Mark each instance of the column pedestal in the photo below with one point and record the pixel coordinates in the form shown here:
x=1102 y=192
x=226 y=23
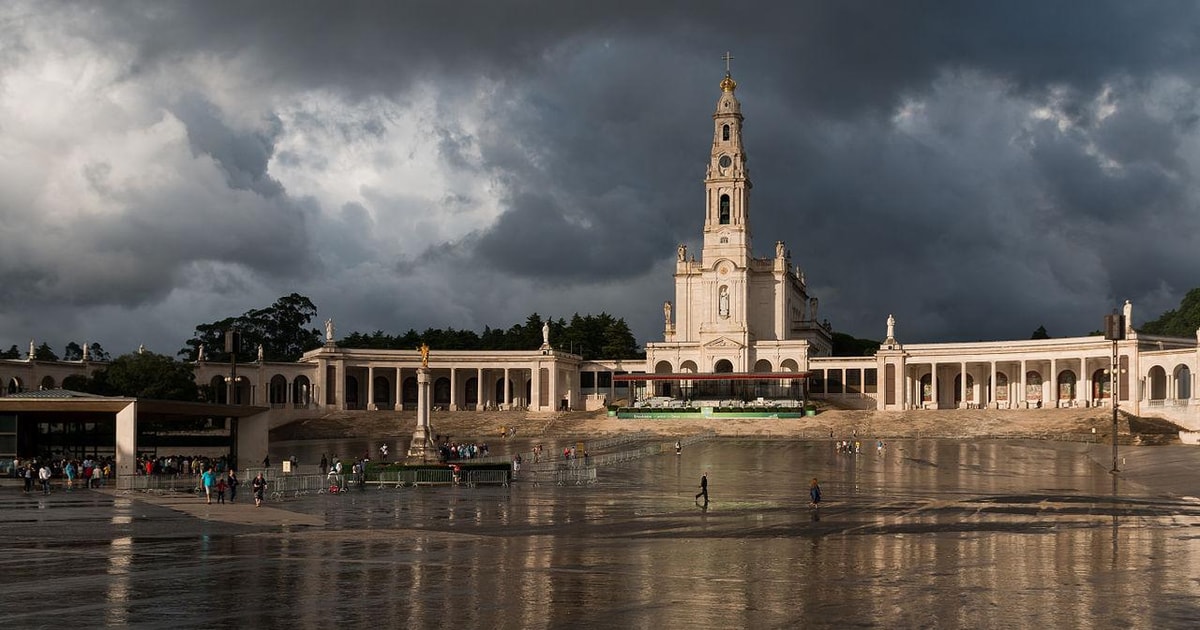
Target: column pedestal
x=422 y=448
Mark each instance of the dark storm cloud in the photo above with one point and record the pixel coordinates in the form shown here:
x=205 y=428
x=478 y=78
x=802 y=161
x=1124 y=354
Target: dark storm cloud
x=892 y=145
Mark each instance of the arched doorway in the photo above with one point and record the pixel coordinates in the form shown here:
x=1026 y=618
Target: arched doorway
x=15 y=386
x=441 y=392
x=277 y=391
x=47 y=382
x=471 y=392
x=1101 y=388
x=301 y=391
x=1066 y=385
x=408 y=392
x=663 y=388
x=351 y=392
x=1183 y=382
x=724 y=366
x=1158 y=383
x=1033 y=387
x=383 y=393
x=220 y=393
x=498 y=397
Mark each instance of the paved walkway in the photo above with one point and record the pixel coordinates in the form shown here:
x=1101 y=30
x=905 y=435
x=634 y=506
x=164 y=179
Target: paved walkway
x=241 y=513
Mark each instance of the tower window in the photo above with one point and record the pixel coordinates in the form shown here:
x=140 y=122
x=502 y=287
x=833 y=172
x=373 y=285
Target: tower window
x=724 y=210
x=725 y=133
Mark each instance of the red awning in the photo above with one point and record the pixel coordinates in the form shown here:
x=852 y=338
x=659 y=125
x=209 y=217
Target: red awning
x=724 y=376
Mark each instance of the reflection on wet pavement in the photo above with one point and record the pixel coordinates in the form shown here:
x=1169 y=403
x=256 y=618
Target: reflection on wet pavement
x=923 y=534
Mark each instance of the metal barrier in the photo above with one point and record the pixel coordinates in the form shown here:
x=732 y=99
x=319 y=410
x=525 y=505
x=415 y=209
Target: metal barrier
x=298 y=485
x=475 y=477
x=414 y=477
x=575 y=475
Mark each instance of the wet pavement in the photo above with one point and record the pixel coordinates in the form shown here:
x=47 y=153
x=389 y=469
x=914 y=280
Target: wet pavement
x=925 y=534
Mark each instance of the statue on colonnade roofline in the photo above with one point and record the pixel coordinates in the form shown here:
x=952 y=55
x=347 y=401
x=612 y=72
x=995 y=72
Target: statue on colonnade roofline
x=141 y=348
x=546 y=332
x=260 y=353
x=31 y=350
x=329 y=330
x=1127 y=311
x=200 y=354
x=86 y=356
x=891 y=327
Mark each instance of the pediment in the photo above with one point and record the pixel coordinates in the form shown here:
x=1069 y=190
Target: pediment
x=723 y=342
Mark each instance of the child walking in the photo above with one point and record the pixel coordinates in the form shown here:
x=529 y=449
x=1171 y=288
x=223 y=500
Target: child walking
x=221 y=488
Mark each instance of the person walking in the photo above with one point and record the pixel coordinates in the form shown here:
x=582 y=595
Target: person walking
x=207 y=479
x=44 y=477
x=221 y=488
x=28 y=475
x=324 y=464
x=233 y=483
x=703 y=488
x=259 y=486
x=814 y=493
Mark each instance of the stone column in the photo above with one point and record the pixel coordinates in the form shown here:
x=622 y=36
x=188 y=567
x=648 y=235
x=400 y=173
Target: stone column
x=535 y=387
x=127 y=440
x=992 y=383
x=1023 y=395
x=453 y=389
x=1054 y=383
x=422 y=448
x=554 y=397
x=479 y=389
x=370 y=389
x=962 y=385
x=1083 y=385
x=400 y=389
x=933 y=385
x=339 y=384
x=507 y=390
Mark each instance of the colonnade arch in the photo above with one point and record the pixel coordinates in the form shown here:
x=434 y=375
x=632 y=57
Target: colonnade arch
x=1156 y=380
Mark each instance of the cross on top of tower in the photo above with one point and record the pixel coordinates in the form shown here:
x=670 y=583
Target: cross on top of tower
x=727 y=57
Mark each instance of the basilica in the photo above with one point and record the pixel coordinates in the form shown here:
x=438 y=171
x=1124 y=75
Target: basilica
x=739 y=328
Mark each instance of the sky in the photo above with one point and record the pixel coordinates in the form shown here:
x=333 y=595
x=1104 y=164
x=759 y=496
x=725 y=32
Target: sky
x=976 y=168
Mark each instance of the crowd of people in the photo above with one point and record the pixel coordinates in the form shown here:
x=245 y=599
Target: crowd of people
x=448 y=450
x=180 y=465
x=87 y=472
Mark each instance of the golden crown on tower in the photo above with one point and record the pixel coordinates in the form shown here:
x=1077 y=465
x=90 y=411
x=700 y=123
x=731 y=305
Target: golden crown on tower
x=728 y=84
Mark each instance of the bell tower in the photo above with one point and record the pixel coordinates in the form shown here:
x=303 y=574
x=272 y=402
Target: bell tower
x=727 y=183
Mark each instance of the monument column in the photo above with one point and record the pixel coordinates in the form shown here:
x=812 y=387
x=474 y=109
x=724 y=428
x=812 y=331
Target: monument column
x=422 y=448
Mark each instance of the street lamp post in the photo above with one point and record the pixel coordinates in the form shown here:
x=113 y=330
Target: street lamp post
x=1114 y=331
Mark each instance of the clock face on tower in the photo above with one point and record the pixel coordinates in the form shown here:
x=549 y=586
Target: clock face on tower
x=725 y=161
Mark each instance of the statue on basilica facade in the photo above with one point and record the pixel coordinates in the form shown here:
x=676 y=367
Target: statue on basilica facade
x=780 y=252
x=723 y=302
x=682 y=252
x=667 y=313
x=812 y=307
